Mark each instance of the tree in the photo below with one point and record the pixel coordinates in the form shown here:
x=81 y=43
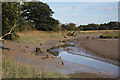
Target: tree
x=63 y=27
x=40 y=15
x=112 y=25
x=105 y=26
x=0 y=18
x=71 y=26
x=11 y=19
x=81 y=27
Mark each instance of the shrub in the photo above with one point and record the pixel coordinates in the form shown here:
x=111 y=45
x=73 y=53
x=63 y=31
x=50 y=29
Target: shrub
x=12 y=36
x=113 y=34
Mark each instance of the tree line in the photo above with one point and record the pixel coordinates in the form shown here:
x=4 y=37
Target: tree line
x=38 y=16
x=106 y=26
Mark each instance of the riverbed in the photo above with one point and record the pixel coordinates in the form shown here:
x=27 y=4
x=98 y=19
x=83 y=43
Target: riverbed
x=85 y=62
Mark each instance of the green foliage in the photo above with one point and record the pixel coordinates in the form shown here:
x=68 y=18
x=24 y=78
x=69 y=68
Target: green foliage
x=39 y=14
x=27 y=27
x=113 y=34
x=11 y=15
x=12 y=36
x=0 y=18
x=40 y=37
x=69 y=27
x=106 y=26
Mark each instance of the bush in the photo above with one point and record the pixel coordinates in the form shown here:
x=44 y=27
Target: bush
x=113 y=34
x=12 y=36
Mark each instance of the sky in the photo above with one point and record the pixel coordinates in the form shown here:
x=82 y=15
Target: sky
x=82 y=13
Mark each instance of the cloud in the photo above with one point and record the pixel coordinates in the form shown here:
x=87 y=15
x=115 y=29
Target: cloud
x=61 y=8
x=108 y=8
x=73 y=7
x=91 y=8
x=56 y=7
x=74 y=15
x=65 y=15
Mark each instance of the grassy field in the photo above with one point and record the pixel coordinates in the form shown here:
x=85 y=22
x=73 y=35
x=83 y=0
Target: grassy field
x=39 y=36
x=105 y=33
x=12 y=69
x=43 y=36
x=112 y=34
x=95 y=31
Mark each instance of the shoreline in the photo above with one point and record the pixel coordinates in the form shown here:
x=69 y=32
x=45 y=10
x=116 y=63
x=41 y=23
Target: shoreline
x=105 y=50
x=44 y=47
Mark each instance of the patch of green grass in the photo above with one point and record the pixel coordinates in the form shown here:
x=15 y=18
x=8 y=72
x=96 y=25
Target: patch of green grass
x=113 y=34
x=39 y=38
x=89 y=32
x=57 y=36
x=30 y=39
x=12 y=69
x=95 y=31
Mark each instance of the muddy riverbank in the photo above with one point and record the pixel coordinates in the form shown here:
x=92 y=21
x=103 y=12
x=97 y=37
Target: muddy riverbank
x=22 y=52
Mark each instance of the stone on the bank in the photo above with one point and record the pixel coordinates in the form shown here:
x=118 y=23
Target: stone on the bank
x=102 y=72
x=38 y=50
x=40 y=43
x=65 y=37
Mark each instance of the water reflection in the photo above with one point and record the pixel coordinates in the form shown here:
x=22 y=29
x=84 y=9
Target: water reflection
x=66 y=54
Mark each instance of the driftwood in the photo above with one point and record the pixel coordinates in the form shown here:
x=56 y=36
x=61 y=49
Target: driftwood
x=1 y=38
x=38 y=50
x=72 y=34
x=46 y=57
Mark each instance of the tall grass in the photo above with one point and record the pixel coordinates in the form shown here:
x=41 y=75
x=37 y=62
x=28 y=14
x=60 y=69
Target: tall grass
x=0 y=64
x=13 y=69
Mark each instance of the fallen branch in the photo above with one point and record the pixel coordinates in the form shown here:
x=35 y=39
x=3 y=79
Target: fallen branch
x=8 y=32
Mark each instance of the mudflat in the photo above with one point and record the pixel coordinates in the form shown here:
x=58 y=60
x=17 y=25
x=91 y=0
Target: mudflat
x=103 y=47
x=107 y=48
